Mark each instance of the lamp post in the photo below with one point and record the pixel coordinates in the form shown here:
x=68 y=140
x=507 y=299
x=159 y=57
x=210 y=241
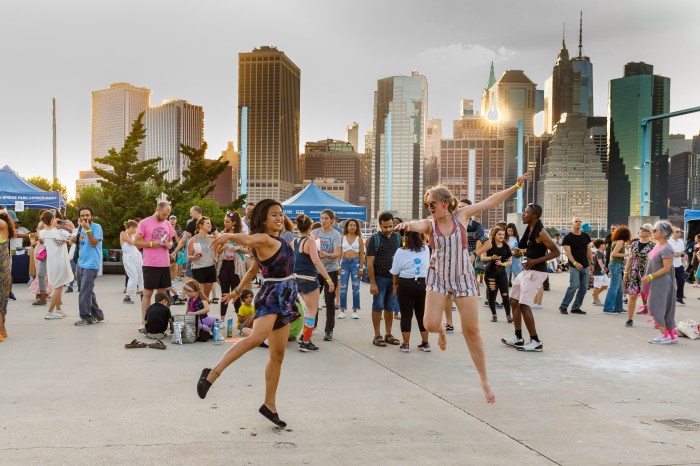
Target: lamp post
x=244 y=149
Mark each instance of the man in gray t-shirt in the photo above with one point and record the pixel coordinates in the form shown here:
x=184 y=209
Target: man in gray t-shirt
x=329 y=252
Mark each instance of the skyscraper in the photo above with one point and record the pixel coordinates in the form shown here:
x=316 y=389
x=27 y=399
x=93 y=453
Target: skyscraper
x=268 y=94
x=561 y=90
x=400 y=118
x=583 y=65
x=572 y=182
x=598 y=127
x=169 y=125
x=639 y=94
x=366 y=169
x=113 y=112
x=329 y=158
x=231 y=156
x=352 y=135
x=431 y=169
x=694 y=174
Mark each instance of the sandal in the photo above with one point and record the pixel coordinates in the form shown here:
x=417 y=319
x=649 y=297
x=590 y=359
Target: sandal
x=391 y=340
x=135 y=344
x=378 y=341
x=158 y=345
x=215 y=301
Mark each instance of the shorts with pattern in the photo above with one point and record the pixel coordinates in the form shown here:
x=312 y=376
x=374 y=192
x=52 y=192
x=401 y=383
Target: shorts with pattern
x=526 y=285
x=459 y=286
x=278 y=298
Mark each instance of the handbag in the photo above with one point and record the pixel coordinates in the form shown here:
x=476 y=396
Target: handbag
x=40 y=254
x=189 y=326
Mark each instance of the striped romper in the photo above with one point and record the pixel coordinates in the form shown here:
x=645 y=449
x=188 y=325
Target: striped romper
x=450 y=271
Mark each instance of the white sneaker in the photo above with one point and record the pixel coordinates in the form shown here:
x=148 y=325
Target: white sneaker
x=354 y=315
x=52 y=316
x=661 y=340
x=512 y=341
x=597 y=303
x=341 y=315
x=531 y=345
x=536 y=306
x=61 y=313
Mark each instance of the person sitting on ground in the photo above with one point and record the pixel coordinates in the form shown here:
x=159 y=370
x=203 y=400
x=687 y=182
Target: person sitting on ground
x=158 y=317
x=198 y=304
x=246 y=312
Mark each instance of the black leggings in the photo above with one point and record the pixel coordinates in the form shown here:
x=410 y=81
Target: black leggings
x=411 y=297
x=497 y=280
x=228 y=280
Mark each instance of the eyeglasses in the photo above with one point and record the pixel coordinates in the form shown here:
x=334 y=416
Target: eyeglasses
x=430 y=205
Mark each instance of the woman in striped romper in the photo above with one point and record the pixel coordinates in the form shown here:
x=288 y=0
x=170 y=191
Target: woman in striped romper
x=451 y=273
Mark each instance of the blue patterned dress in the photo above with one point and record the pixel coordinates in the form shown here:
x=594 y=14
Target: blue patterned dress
x=278 y=297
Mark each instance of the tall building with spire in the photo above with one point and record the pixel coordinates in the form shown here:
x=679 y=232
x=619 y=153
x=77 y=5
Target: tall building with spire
x=400 y=120
x=583 y=65
x=562 y=90
x=269 y=90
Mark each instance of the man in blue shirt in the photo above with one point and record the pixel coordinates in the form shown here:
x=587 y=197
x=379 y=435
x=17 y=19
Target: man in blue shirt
x=89 y=239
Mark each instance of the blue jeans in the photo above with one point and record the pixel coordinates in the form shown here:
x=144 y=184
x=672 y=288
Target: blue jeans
x=385 y=300
x=578 y=285
x=613 y=300
x=349 y=269
x=515 y=267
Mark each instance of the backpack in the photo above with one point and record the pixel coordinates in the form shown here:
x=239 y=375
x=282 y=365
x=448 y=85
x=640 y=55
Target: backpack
x=377 y=241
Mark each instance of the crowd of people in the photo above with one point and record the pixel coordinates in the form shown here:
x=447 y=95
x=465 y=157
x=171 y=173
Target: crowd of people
x=420 y=270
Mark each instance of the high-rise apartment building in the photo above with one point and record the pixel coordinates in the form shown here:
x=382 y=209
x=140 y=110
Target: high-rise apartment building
x=598 y=127
x=269 y=102
x=694 y=174
x=400 y=120
x=534 y=153
x=583 y=65
x=352 y=135
x=680 y=151
x=231 y=156
x=329 y=158
x=366 y=168
x=637 y=95
x=169 y=125
x=472 y=165
x=431 y=169
x=113 y=112
x=572 y=182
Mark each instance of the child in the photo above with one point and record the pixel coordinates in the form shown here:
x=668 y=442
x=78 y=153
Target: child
x=246 y=313
x=158 y=316
x=198 y=304
x=600 y=278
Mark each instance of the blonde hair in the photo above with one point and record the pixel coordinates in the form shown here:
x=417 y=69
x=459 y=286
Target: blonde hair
x=443 y=194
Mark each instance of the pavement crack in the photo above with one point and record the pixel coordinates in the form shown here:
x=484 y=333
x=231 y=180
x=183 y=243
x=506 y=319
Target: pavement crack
x=472 y=415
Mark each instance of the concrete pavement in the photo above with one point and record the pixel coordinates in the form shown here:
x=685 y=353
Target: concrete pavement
x=74 y=395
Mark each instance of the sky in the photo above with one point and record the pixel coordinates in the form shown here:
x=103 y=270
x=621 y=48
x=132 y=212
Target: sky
x=190 y=51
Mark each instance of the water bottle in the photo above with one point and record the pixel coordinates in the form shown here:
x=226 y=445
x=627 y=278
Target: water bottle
x=197 y=249
x=215 y=331
x=229 y=328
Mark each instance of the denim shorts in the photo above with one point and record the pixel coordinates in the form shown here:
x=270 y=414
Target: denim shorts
x=385 y=299
x=307 y=286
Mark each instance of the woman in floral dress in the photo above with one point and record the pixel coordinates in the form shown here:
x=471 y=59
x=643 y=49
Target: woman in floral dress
x=636 y=267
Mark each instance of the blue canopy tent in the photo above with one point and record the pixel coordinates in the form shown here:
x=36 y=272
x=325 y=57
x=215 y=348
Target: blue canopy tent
x=692 y=223
x=14 y=188
x=312 y=200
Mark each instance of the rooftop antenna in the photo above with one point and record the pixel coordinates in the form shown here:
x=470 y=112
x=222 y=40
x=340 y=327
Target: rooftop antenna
x=55 y=160
x=563 y=36
x=580 y=35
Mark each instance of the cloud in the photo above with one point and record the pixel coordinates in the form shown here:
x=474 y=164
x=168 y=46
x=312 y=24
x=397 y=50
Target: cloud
x=460 y=59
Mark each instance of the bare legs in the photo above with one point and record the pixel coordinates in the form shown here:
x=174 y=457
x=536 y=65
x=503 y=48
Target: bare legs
x=388 y=321
x=435 y=304
x=3 y=330
x=469 y=316
x=56 y=299
x=522 y=312
x=448 y=312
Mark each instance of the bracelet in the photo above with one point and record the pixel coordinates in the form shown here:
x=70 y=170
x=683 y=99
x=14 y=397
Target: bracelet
x=235 y=291
x=518 y=186
x=651 y=276
x=625 y=273
x=575 y=263
x=328 y=280
x=150 y=245
x=88 y=231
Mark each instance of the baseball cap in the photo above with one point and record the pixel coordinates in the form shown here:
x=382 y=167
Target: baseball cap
x=13 y=216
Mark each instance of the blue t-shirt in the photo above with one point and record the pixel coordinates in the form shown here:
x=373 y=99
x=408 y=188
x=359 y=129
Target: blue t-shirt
x=90 y=257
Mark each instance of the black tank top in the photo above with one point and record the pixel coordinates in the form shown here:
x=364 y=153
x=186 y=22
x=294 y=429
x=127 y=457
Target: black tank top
x=533 y=249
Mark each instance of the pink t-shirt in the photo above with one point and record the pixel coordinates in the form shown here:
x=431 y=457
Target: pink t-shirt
x=151 y=229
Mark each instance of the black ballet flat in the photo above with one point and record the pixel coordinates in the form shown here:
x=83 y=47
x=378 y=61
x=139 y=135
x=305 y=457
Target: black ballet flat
x=203 y=385
x=273 y=417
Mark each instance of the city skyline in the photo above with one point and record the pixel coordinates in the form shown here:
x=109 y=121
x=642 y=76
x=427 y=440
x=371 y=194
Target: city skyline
x=453 y=51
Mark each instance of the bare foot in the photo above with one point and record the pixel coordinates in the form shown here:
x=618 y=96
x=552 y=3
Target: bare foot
x=488 y=393
x=442 y=337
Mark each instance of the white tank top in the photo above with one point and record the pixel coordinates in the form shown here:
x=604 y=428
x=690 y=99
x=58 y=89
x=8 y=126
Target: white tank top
x=355 y=246
x=129 y=248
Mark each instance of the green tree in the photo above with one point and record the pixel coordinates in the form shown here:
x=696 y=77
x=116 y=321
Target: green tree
x=210 y=208
x=48 y=185
x=131 y=187
x=197 y=179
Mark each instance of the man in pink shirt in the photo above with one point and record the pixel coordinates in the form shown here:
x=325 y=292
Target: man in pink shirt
x=155 y=235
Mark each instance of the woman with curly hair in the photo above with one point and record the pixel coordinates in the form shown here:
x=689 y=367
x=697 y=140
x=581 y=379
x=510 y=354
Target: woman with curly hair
x=634 y=270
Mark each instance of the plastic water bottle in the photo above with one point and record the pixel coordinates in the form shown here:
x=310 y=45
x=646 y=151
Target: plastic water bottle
x=215 y=331
x=229 y=328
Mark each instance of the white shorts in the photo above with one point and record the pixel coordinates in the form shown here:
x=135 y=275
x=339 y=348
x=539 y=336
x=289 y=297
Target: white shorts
x=600 y=281
x=526 y=285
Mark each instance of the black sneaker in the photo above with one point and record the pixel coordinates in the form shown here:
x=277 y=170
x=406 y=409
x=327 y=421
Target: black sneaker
x=681 y=302
x=563 y=310
x=307 y=347
x=69 y=289
x=577 y=311
x=99 y=319
x=449 y=328
x=328 y=337
x=88 y=321
x=629 y=324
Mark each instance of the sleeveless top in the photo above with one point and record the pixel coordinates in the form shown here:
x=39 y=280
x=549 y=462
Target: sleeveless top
x=355 y=246
x=533 y=249
x=281 y=264
x=304 y=265
x=129 y=249
x=207 y=259
x=450 y=255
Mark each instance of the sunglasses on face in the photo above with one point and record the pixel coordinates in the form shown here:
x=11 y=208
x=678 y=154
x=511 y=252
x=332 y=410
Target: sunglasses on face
x=430 y=205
